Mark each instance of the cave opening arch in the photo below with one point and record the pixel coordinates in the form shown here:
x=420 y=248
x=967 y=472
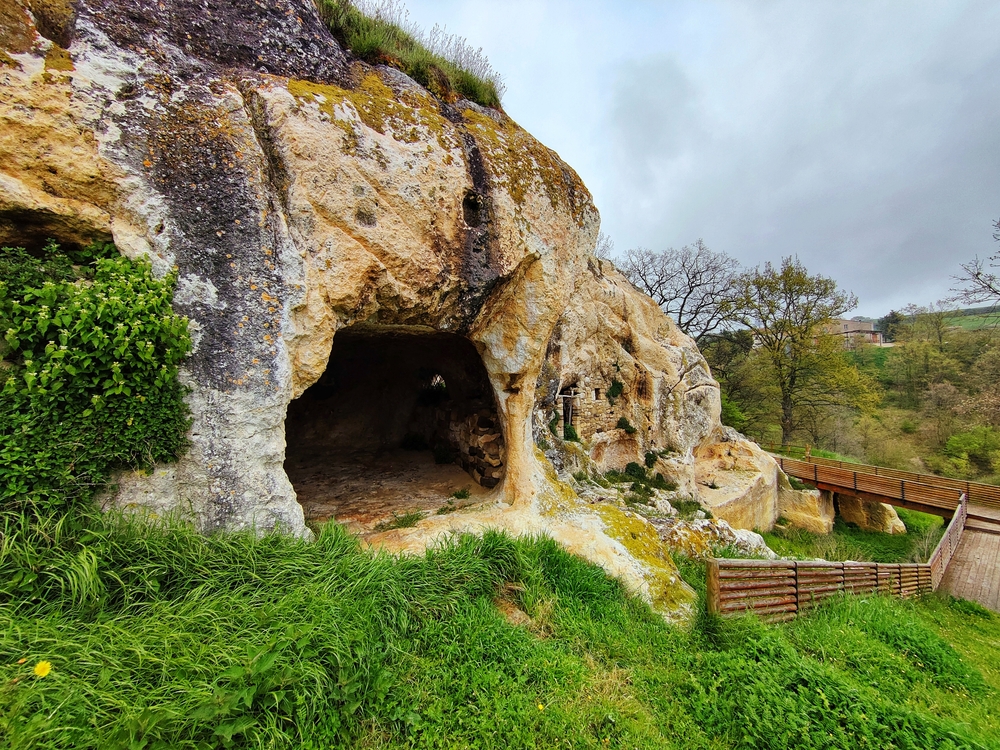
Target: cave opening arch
x=402 y=421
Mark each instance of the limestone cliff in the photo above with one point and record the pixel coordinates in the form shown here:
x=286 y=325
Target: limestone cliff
x=307 y=199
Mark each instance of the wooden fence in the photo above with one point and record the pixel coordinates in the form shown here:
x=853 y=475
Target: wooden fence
x=778 y=590
x=976 y=492
x=945 y=549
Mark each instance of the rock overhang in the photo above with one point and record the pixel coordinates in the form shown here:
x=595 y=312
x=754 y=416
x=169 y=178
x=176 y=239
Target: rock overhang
x=299 y=193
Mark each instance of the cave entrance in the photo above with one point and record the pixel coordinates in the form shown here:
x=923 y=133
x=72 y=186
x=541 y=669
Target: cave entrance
x=401 y=421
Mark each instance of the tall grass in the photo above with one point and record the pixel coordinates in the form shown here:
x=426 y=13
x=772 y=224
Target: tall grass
x=847 y=542
x=160 y=637
x=380 y=32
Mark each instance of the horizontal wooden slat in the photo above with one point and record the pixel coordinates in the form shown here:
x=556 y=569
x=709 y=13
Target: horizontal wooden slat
x=726 y=596
x=735 y=606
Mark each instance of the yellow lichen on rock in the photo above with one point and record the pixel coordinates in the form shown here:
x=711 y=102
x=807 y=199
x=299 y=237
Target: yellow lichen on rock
x=516 y=161
x=377 y=106
x=667 y=590
x=52 y=178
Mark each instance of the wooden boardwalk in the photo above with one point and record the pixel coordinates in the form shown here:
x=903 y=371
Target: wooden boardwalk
x=974 y=572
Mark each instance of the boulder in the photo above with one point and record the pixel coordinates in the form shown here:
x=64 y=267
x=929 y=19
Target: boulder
x=869 y=515
x=811 y=510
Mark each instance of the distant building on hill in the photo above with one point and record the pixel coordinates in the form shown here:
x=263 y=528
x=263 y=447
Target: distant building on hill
x=855 y=331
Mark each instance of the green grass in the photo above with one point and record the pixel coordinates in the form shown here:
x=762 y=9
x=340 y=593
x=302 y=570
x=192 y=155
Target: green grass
x=162 y=638
x=975 y=322
x=444 y=64
x=405 y=521
x=847 y=542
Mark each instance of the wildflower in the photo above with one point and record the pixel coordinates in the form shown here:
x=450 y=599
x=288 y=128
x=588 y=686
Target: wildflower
x=42 y=668
x=541 y=707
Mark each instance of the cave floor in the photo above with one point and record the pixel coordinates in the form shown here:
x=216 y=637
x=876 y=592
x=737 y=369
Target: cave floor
x=363 y=490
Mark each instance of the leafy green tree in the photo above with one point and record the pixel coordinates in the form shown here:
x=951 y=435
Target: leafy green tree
x=889 y=324
x=787 y=310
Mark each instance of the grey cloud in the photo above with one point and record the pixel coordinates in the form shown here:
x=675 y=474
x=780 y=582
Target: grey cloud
x=868 y=148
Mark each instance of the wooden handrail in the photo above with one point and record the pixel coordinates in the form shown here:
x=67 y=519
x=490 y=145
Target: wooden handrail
x=933 y=499
x=976 y=492
x=946 y=547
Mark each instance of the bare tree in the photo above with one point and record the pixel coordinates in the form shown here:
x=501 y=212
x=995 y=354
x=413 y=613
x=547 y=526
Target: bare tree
x=978 y=282
x=692 y=284
x=605 y=247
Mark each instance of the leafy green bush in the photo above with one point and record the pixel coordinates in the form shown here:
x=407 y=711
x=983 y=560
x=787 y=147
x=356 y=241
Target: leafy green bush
x=617 y=389
x=444 y=64
x=981 y=445
x=91 y=356
x=570 y=433
x=624 y=424
x=634 y=471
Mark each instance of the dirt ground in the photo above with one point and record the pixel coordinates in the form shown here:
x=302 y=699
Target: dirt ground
x=362 y=490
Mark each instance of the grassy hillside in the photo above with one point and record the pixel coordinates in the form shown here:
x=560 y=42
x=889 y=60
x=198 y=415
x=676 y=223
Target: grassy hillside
x=975 y=319
x=160 y=638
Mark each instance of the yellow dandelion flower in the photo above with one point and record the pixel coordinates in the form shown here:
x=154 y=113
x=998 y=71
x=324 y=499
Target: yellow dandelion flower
x=541 y=707
x=42 y=668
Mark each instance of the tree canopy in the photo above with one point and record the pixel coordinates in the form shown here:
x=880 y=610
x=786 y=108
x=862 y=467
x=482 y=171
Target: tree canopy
x=787 y=310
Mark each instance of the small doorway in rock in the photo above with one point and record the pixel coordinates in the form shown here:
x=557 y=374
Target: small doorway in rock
x=568 y=398
x=402 y=422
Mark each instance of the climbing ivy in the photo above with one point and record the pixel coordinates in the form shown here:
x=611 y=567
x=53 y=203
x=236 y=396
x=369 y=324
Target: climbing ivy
x=88 y=369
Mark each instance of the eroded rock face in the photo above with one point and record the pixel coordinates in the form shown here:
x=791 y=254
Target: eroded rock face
x=811 y=510
x=298 y=193
x=869 y=515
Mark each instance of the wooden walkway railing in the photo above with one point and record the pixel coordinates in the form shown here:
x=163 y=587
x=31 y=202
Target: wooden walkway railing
x=778 y=590
x=856 y=481
x=946 y=548
x=977 y=493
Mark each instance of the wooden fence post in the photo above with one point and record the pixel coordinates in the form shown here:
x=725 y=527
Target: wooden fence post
x=713 y=602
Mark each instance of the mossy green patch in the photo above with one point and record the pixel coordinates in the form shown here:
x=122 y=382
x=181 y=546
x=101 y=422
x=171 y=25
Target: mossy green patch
x=408 y=118
x=667 y=591
x=517 y=161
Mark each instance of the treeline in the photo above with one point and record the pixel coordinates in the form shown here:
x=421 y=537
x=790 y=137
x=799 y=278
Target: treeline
x=930 y=402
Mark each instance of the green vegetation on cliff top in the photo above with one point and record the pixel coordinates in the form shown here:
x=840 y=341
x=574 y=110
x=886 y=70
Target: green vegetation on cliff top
x=159 y=637
x=444 y=64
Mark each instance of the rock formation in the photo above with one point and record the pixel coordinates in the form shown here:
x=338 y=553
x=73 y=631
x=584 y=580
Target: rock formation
x=869 y=515
x=308 y=199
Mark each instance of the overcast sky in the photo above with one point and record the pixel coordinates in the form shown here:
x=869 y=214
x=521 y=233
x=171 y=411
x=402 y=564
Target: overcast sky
x=862 y=136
